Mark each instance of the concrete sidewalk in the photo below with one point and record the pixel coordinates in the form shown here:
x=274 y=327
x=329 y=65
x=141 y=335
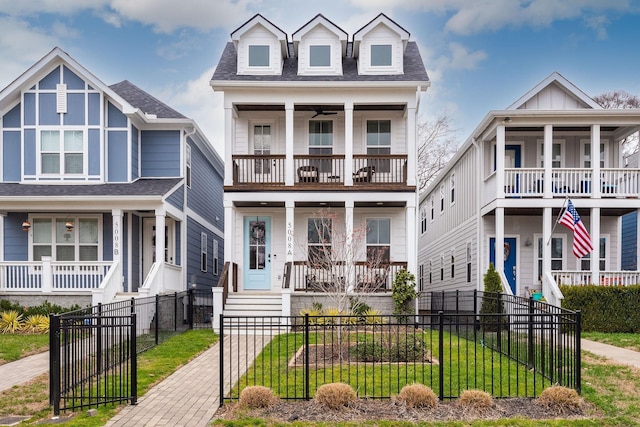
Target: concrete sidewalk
x=615 y=354
x=23 y=370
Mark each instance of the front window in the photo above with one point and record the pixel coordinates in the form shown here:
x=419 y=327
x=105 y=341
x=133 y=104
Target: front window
x=378 y=241
x=321 y=143
x=262 y=147
x=557 y=245
x=319 y=241
x=379 y=143
x=259 y=56
x=556 y=155
x=586 y=155
x=66 y=238
x=320 y=56
x=585 y=261
x=62 y=152
x=381 y=55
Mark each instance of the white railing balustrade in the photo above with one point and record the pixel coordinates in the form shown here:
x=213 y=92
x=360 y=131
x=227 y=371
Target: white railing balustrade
x=606 y=278
x=51 y=276
x=523 y=182
x=620 y=182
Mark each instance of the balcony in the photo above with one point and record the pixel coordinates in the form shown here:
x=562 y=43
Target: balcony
x=313 y=172
x=606 y=278
x=366 y=278
x=573 y=182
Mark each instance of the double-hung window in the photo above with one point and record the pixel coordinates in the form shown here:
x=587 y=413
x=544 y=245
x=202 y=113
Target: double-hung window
x=379 y=143
x=378 y=241
x=262 y=147
x=62 y=152
x=321 y=143
x=203 y=251
x=66 y=238
x=319 y=241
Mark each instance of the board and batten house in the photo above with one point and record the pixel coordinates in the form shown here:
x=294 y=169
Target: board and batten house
x=499 y=197
x=318 y=120
x=103 y=190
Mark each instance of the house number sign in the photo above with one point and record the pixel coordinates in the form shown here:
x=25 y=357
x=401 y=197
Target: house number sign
x=116 y=238
x=289 y=238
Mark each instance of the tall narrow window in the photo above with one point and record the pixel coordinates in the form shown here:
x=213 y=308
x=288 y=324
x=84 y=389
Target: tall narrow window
x=321 y=144
x=442 y=198
x=216 y=261
x=421 y=277
x=430 y=272
x=378 y=241
x=441 y=268
x=261 y=148
x=453 y=265
x=556 y=254
x=379 y=144
x=452 y=186
x=585 y=261
x=203 y=252
x=468 y=262
x=187 y=157
x=433 y=202
x=319 y=242
x=556 y=154
x=258 y=56
x=586 y=155
x=423 y=220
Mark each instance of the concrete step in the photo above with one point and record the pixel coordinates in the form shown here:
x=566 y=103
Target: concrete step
x=253 y=304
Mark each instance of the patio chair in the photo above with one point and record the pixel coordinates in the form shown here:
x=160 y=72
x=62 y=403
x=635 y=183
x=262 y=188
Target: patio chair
x=364 y=174
x=308 y=173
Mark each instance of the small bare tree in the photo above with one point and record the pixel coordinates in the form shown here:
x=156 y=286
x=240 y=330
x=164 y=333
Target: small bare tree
x=621 y=99
x=437 y=142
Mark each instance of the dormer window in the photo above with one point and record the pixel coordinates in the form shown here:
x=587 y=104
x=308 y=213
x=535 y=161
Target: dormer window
x=381 y=55
x=258 y=56
x=320 y=56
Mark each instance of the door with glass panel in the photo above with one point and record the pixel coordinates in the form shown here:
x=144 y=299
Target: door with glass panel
x=262 y=149
x=257 y=253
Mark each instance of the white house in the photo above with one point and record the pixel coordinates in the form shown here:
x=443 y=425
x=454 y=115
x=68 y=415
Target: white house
x=317 y=121
x=505 y=188
x=103 y=189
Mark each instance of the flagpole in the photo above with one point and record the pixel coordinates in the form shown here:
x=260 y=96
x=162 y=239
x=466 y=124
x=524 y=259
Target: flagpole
x=566 y=198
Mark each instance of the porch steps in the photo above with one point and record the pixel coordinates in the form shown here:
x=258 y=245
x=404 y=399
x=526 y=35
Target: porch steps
x=253 y=304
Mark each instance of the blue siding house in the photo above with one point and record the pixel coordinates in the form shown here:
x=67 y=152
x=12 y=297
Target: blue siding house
x=103 y=190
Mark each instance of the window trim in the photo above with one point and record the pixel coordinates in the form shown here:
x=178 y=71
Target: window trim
x=76 y=221
x=216 y=258
x=204 y=251
x=311 y=47
x=249 y=56
x=61 y=130
x=378 y=244
x=187 y=157
x=604 y=143
x=540 y=153
x=381 y=66
x=320 y=244
x=452 y=188
x=442 y=198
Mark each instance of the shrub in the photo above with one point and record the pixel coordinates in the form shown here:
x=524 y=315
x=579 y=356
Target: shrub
x=36 y=324
x=403 y=292
x=418 y=396
x=373 y=317
x=605 y=308
x=476 y=400
x=560 y=400
x=10 y=322
x=407 y=348
x=257 y=396
x=335 y=395
x=367 y=351
x=491 y=301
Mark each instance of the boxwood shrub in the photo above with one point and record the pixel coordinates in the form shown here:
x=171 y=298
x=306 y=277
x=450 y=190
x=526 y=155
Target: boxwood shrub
x=605 y=308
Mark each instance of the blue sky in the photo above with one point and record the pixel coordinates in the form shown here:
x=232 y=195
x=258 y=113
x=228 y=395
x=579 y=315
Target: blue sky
x=480 y=54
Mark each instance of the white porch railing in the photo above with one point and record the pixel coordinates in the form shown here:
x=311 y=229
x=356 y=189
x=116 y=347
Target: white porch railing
x=172 y=278
x=506 y=288
x=51 y=276
x=152 y=283
x=529 y=182
x=550 y=290
x=110 y=286
x=605 y=278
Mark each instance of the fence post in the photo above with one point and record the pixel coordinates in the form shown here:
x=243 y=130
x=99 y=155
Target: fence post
x=476 y=318
x=175 y=311
x=441 y=353
x=134 y=360
x=578 y=350
x=54 y=362
x=190 y=308
x=531 y=362
x=99 y=338
x=221 y=361
x=306 y=356
x=157 y=322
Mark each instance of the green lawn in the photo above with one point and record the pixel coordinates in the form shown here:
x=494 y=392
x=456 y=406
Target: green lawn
x=17 y=346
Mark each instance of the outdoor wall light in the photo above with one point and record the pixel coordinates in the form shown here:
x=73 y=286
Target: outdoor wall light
x=506 y=120
x=528 y=242
x=69 y=226
x=26 y=225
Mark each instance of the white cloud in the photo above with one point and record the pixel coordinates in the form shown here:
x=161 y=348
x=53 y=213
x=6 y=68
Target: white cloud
x=33 y=7
x=598 y=24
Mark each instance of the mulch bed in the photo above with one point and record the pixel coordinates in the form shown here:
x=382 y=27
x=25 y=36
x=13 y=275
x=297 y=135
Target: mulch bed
x=392 y=410
x=327 y=355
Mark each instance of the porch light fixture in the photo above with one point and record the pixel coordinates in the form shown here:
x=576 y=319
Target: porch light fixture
x=26 y=225
x=506 y=120
x=528 y=242
x=69 y=226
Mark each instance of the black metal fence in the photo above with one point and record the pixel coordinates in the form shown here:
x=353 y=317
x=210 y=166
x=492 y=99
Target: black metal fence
x=93 y=351
x=506 y=346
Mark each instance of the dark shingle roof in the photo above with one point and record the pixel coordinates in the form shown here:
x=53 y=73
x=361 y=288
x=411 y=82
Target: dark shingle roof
x=145 y=102
x=414 y=70
x=141 y=187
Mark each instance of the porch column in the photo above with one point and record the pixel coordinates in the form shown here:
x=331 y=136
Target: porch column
x=499 y=246
x=288 y=141
x=160 y=235
x=412 y=248
x=500 y=142
x=412 y=149
x=229 y=239
x=595 y=241
x=546 y=235
x=116 y=218
x=350 y=252
x=547 y=149
x=348 y=143
x=596 y=188
x=228 y=138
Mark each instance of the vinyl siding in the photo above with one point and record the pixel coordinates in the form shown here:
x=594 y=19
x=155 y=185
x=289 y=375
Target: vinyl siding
x=205 y=195
x=117 y=155
x=16 y=241
x=630 y=241
x=160 y=152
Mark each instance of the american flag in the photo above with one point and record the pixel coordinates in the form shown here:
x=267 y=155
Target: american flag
x=581 y=240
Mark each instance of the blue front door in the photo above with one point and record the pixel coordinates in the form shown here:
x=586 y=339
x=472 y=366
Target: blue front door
x=510 y=268
x=257 y=253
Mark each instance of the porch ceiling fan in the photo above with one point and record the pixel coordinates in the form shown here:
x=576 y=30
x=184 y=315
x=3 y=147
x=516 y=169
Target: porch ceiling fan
x=320 y=112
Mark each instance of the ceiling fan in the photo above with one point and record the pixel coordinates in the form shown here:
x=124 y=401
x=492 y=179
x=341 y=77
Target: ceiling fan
x=320 y=112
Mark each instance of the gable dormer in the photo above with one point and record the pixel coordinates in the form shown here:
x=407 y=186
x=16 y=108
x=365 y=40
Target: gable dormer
x=320 y=46
x=554 y=93
x=261 y=47
x=379 y=47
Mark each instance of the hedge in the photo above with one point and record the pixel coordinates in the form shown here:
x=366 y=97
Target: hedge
x=605 y=308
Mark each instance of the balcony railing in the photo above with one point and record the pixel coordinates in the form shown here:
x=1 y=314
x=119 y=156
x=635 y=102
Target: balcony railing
x=48 y=276
x=311 y=170
x=366 y=278
x=606 y=278
x=577 y=182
